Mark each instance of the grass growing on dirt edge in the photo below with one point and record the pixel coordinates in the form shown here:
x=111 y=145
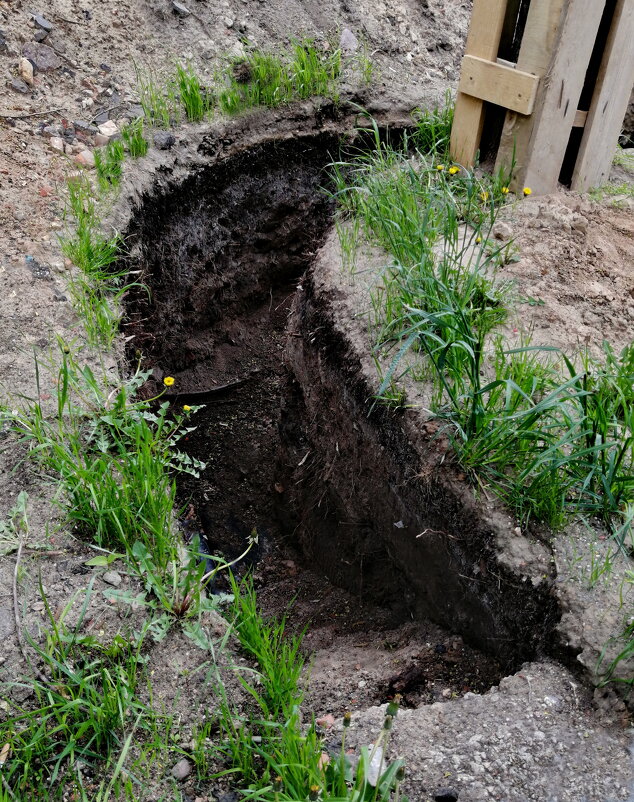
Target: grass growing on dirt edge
x=552 y=435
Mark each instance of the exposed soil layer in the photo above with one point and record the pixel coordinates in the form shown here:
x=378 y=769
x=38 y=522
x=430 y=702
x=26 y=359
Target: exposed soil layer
x=293 y=455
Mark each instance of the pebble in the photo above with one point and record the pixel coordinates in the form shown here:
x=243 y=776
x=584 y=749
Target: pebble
x=85 y=158
x=228 y=22
x=43 y=57
x=108 y=129
x=163 y=140
x=42 y=23
x=502 y=231
x=180 y=9
x=84 y=126
x=348 y=42
x=53 y=130
x=18 y=85
x=182 y=769
x=112 y=578
x=25 y=69
x=39 y=606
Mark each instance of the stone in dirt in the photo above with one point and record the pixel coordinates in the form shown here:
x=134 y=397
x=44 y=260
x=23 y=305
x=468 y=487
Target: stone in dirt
x=502 y=230
x=18 y=85
x=348 y=41
x=25 y=69
x=163 y=140
x=42 y=23
x=112 y=578
x=42 y=56
x=108 y=129
x=85 y=159
x=180 y=9
x=57 y=143
x=40 y=35
x=3 y=42
x=182 y=769
x=85 y=127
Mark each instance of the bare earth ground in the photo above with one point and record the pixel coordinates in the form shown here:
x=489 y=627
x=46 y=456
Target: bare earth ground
x=540 y=735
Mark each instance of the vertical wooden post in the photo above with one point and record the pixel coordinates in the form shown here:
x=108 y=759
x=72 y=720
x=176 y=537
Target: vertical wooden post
x=483 y=41
x=536 y=53
x=539 y=161
x=609 y=101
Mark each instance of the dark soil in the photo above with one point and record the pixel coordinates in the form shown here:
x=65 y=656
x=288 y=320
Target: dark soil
x=223 y=272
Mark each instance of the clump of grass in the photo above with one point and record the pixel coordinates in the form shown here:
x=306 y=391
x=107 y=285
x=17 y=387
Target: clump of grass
x=196 y=98
x=112 y=455
x=109 y=164
x=133 y=137
x=267 y=79
x=269 y=750
x=78 y=707
x=159 y=100
x=550 y=438
x=97 y=288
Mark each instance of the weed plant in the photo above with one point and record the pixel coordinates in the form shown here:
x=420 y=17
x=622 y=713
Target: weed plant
x=97 y=287
x=549 y=437
x=112 y=455
x=109 y=164
x=196 y=98
x=78 y=707
x=268 y=750
x=133 y=137
x=267 y=79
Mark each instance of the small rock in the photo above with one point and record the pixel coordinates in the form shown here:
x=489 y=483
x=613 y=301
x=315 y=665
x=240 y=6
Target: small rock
x=57 y=143
x=3 y=42
x=87 y=103
x=43 y=57
x=39 y=606
x=112 y=578
x=101 y=140
x=84 y=126
x=42 y=23
x=18 y=85
x=58 y=295
x=40 y=36
x=182 y=769
x=502 y=231
x=45 y=191
x=52 y=130
x=85 y=158
x=38 y=270
x=25 y=69
x=108 y=129
x=228 y=22
x=163 y=140
x=180 y=9
x=348 y=42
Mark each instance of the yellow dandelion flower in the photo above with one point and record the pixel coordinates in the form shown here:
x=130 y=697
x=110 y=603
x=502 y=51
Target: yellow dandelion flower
x=484 y=196
x=527 y=191
x=478 y=240
x=186 y=408
x=168 y=381
x=454 y=169
x=440 y=167
x=504 y=190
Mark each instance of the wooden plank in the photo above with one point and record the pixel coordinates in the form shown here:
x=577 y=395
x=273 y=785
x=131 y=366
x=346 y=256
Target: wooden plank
x=609 y=102
x=483 y=41
x=536 y=53
x=495 y=83
x=539 y=161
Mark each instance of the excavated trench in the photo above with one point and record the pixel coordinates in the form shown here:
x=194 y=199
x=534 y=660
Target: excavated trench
x=362 y=516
